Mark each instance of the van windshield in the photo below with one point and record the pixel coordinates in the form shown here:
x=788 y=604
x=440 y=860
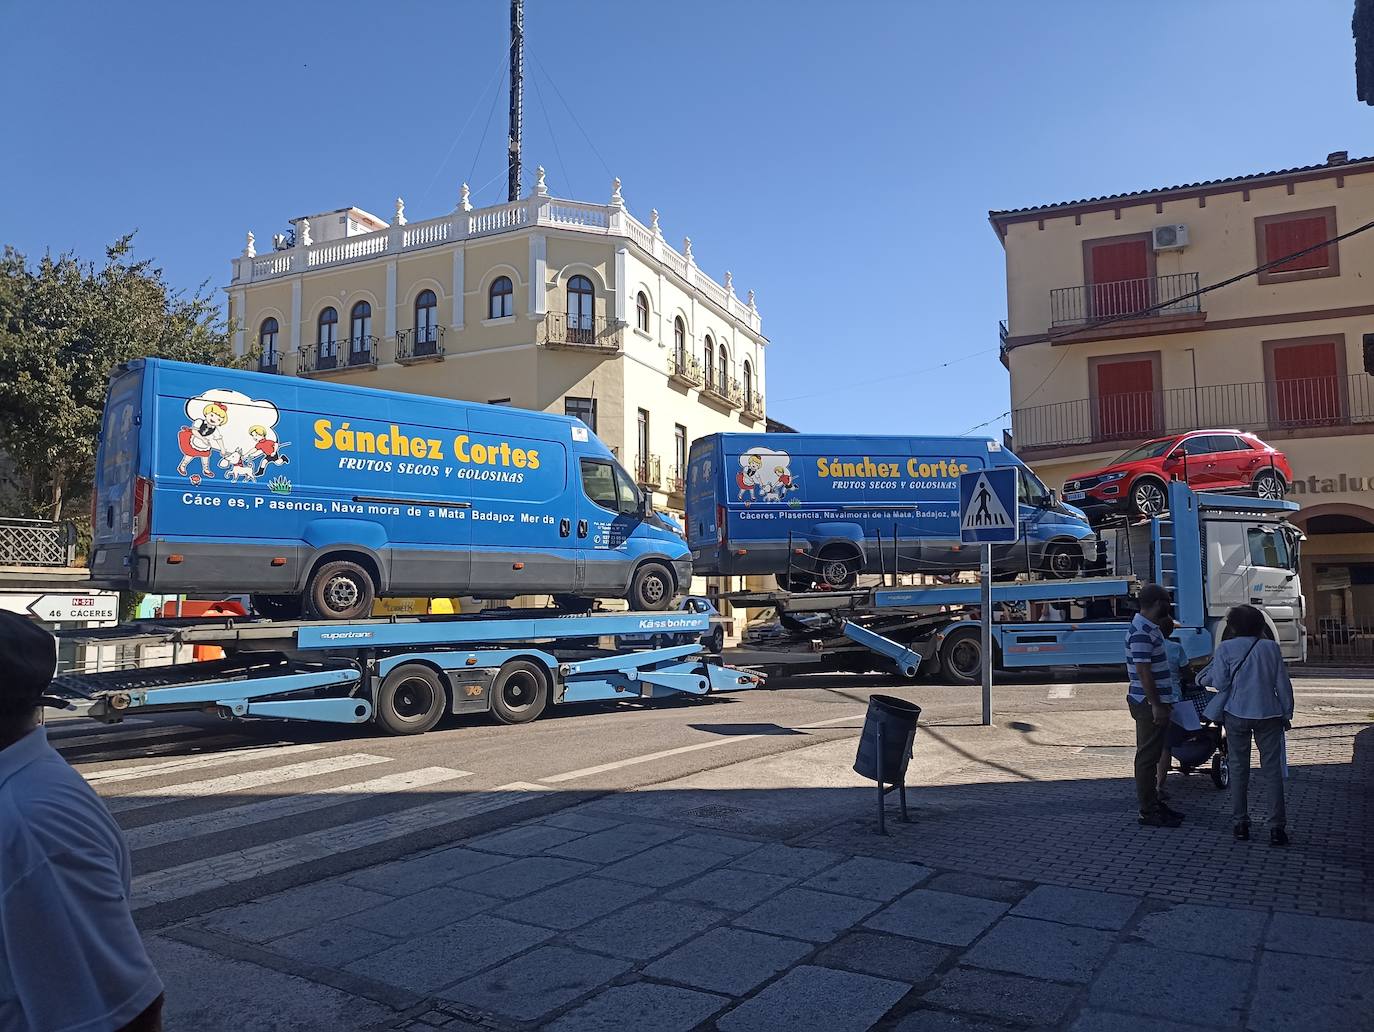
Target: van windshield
x=1148 y=450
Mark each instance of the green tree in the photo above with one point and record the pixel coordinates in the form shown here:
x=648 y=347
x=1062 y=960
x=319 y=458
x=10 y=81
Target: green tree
x=64 y=324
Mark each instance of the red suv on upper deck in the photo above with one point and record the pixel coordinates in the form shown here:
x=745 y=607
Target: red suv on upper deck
x=1209 y=460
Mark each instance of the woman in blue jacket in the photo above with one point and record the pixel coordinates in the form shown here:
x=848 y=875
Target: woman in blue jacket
x=1248 y=668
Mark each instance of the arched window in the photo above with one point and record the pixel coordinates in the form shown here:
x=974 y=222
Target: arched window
x=708 y=355
x=581 y=310
x=426 y=317
x=724 y=379
x=748 y=384
x=501 y=298
x=267 y=344
x=327 y=332
x=360 y=333
x=680 y=341
x=642 y=311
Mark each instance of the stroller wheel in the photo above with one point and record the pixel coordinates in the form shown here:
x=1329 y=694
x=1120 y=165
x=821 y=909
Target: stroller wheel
x=1221 y=771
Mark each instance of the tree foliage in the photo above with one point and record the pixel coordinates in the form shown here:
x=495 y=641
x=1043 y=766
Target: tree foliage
x=64 y=324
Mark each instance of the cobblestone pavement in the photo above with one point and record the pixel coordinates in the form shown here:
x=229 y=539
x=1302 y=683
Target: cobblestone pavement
x=1023 y=895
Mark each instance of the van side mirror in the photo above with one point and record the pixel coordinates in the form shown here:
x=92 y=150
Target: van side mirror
x=1054 y=498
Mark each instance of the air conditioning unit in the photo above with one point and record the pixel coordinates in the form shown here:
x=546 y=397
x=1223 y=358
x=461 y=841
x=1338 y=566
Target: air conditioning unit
x=1170 y=238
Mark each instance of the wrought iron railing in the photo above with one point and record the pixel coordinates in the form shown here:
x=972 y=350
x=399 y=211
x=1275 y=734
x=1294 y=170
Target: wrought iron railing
x=648 y=471
x=268 y=362
x=558 y=330
x=354 y=352
x=724 y=389
x=1174 y=294
x=1275 y=405
x=421 y=342
x=684 y=368
x=37 y=542
x=753 y=404
x=677 y=480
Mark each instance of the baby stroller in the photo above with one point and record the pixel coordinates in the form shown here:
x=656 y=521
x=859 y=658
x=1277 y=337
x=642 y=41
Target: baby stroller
x=1193 y=740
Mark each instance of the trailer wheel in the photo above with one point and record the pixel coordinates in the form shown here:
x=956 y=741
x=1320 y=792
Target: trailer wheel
x=961 y=656
x=651 y=588
x=520 y=693
x=340 y=590
x=277 y=607
x=411 y=700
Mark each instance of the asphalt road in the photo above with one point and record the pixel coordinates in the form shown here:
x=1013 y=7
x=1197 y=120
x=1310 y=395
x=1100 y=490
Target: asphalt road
x=220 y=813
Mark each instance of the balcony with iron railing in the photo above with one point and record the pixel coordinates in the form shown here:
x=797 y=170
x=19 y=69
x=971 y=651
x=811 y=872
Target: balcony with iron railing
x=1275 y=406
x=269 y=362
x=649 y=471
x=677 y=480
x=753 y=404
x=420 y=343
x=684 y=368
x=580 y=333
x=353 y=353
x=724 y=391
x=1150 y=297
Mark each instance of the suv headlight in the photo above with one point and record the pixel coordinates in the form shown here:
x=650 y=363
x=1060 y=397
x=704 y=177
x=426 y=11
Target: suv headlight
x=1108 y=478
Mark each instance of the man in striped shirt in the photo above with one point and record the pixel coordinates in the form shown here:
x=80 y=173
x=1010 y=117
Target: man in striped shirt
x=1150 y=698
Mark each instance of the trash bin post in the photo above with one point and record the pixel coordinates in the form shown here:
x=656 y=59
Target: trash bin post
x=885 y=747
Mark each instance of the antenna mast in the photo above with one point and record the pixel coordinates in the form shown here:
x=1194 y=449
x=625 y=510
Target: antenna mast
x=517 y=96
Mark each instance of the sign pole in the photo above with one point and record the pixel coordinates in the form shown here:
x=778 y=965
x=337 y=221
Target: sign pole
x=986 y=570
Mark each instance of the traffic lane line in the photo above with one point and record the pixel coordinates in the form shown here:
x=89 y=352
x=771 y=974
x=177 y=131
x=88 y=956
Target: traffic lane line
x=181 y=828
x=229 y=783
x=227 y=869
x=631 y=761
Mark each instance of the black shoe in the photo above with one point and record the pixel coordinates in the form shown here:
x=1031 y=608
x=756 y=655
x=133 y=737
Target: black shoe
x=1170 y=811
x=1278 y=837
x=1242 y=831
x=1160 y=818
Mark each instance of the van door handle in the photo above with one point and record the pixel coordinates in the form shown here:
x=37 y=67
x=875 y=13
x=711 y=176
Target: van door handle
x=581 y=528
x=564 y=527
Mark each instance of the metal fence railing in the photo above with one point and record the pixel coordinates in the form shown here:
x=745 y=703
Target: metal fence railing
x=37 y=543
x=1125 y=297
x=420 y=342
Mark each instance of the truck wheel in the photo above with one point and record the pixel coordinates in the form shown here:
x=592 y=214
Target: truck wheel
x=1268 y=485
x=411 y=700
x=341 y=590
x=839 y=568
x=520 y=693
x=277 y=607
x=1148 y=497
x=1063 y=561
x=961 y=656
x=651 y=588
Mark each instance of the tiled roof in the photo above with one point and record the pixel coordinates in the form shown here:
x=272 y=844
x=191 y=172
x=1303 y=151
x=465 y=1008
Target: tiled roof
x=1335 y=168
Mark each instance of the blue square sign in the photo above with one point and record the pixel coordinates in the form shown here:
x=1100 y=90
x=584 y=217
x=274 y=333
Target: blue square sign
x=987 y=506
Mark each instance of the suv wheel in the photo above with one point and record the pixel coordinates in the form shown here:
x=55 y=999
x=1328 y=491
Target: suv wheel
x=1269 y=485
x=1149 y=497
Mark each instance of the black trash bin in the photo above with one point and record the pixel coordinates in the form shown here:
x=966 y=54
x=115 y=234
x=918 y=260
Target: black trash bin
x=897 y=717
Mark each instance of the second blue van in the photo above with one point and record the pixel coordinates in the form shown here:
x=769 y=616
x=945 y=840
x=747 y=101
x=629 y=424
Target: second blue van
x=317 y=497
x=811 y=508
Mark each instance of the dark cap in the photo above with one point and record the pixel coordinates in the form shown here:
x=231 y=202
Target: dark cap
x=28 y=660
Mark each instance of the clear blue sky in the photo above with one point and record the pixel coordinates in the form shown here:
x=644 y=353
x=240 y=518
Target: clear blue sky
x=839 y=158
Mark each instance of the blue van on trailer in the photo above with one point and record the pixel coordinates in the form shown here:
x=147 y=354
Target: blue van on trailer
x=809 y=507
x=321 y=496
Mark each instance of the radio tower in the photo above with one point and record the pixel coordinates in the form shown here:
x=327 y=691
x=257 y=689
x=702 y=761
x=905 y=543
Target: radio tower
x=517 y=94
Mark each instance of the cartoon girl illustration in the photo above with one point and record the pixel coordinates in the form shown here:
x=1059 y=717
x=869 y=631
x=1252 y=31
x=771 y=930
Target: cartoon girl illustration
x=748 y=478
x=196 y=442
x=269 y=451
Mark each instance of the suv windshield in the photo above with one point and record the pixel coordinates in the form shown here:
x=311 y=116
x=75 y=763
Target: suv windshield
x=1148 y=450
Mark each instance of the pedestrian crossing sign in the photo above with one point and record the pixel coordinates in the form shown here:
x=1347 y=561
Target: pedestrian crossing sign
x=987 y=506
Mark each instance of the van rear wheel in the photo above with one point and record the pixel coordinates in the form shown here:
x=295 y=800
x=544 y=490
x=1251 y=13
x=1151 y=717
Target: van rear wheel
x=839 y=568
x=340 y=590
x=651 y=588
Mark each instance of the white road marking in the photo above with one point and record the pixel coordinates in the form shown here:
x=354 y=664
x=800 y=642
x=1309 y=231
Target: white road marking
x=201 y=759
x=1339 y=693
x=81 y=741
x=228 y=783
x=213 y=872
x=216 y=821
x=74 y=728
x=1062 y=691
x=631 y=761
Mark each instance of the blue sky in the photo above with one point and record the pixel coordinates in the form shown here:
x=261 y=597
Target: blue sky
x=839 y=158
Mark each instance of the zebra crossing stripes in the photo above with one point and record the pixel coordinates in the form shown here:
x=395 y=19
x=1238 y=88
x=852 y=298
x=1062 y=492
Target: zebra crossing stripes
x=230 y=783
x=213 y=872
x=197 y=761
x=216 y=821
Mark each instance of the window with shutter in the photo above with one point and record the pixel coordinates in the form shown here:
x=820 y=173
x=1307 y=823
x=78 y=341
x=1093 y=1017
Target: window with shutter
x=1301 y=235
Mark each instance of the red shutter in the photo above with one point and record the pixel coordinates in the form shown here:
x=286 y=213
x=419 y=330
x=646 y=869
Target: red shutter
x=1126 y=401
x=1307 y=384
x=1120 y=283
x=1291 y=235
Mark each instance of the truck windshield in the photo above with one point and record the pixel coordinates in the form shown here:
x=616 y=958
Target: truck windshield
x=1268 y=548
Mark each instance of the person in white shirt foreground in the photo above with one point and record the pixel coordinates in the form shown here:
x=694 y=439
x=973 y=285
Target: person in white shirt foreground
x=71 y=959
